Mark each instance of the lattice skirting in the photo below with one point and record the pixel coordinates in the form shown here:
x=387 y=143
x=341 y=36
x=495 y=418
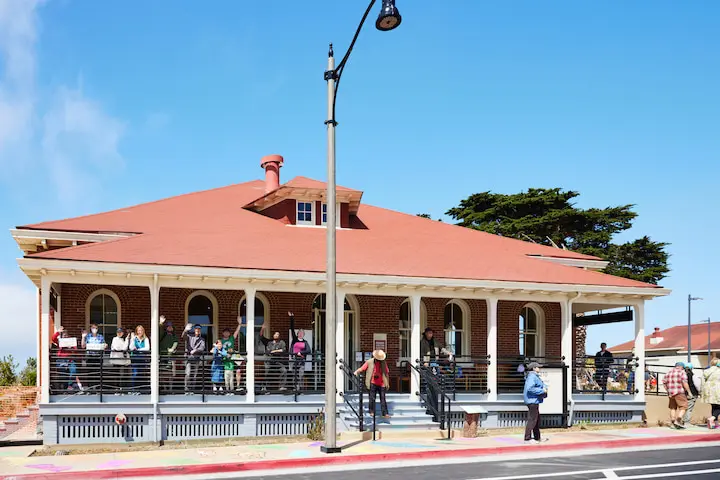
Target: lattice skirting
x=603 y=417
x=188 y=427
x=518 y=419
x=280 y=425
x=101 y=429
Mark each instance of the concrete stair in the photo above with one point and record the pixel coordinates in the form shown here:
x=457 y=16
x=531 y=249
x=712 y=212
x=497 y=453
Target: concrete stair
x=405 y=415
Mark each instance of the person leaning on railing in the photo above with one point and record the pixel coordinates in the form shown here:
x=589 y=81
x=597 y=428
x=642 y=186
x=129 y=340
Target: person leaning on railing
x=277 y=351
x=140 y=359
x=66 y=366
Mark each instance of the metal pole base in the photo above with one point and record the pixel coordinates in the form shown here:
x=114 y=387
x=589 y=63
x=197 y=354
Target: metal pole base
x=326 y=449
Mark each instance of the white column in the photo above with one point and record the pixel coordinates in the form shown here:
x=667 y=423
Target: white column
x=340 y=343
x=45 y=285
x=250 y=344
x=566 y=341
x=492 y=347
x=38 y=347
x=640 y=351
x=415 y=314
x=155 y=341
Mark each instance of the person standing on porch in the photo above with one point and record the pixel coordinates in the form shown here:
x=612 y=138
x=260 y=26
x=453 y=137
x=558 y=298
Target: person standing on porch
x=377 y=380
x=94 y=345
x=276 y=350
x=119 y=360
x=217 y=369
x=140 y=360
x=534 y=393
x=676 y=384
x=299 y=349
x=168 y=347
x=603 y=361
x=228 y=345
x=194 y=349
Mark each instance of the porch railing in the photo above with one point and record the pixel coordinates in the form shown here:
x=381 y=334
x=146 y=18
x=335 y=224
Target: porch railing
x=605 y=375
x=511 y=371
x=354 y=396
x=79 y=372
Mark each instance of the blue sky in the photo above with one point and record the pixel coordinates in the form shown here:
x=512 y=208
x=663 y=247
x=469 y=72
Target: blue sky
x=113 y=103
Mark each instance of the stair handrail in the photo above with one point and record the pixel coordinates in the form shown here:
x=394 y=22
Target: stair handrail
x=356 y=381
x=444 y=412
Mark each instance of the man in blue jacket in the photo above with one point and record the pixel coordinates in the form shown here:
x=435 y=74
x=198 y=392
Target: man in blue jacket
x=533 y=394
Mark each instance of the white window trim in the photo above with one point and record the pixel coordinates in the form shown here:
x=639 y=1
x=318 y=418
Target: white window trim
x=102 y=291
x=213 y=300
x=312 y=212
x=423 y=325
x=540 y=331
x=266 y=307
x=337 y=213
x=466 y=330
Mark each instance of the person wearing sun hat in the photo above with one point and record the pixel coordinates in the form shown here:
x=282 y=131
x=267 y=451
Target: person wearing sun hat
x=534 y=393
x=377 y=380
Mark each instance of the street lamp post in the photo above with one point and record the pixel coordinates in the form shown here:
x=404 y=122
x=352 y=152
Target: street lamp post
x=388 y=19
x=689 y=345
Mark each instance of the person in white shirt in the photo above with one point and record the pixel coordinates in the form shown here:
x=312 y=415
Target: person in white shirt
x=140 y=358
x=119 y=360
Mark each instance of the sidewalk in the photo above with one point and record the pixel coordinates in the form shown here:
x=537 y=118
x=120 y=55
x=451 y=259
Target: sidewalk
x=14 y=463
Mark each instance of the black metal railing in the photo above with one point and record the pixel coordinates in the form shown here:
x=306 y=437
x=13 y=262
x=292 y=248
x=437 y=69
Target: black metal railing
x=356 y=385
x=511 y=371
x=288 y=375
x=434 y=393
x=605 y=375
x=469 y=375
x=97 y=372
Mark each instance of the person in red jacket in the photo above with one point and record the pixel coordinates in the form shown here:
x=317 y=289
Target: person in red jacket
x=377 y=380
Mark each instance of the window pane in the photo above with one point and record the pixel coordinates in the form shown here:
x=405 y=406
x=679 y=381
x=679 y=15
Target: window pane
x=404 y=345
x=522 y=344
x=405 y=312
x=458 y=351
x=457 y=316
x=530 y=350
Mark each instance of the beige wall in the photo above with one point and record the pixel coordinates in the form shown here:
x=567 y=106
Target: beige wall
x=657 y=409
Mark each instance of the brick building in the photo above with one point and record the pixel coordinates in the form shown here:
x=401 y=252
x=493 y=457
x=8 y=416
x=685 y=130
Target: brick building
x=254 y=252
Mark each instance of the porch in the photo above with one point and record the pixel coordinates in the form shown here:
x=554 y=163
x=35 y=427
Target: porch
x=492 y=333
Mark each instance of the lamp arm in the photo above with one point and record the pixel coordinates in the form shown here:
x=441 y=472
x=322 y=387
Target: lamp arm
x=337 y=73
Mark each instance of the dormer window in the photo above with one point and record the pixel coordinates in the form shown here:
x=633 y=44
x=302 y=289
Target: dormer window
x=305 y=213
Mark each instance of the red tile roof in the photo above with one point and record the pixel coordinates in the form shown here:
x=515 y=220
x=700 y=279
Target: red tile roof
x=211 y=229
x=675 y=338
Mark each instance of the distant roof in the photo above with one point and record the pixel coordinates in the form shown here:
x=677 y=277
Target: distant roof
x=212 y=229
x=675 y=338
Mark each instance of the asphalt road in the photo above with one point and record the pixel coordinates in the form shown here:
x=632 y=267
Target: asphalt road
x=697 y=463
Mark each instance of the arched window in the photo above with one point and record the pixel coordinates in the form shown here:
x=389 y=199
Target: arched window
x=531 y=332
x=457 y=328
x=103 y=309
x=201 y=308
x=405 y=327
x=262 y=315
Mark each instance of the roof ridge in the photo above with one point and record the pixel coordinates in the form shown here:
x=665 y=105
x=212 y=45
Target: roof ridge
x=34 y=226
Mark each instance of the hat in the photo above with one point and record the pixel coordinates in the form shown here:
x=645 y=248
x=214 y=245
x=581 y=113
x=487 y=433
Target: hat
x=168 y=324
x=534 y=365
x=689 y=365
x=428 y=329
x=682 y=364
x=120 y=329
x=379 y=355
x=197 y=325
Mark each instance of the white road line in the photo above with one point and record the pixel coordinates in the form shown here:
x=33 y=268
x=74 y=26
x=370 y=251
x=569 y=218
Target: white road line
x=612 y=471
x=672 y=474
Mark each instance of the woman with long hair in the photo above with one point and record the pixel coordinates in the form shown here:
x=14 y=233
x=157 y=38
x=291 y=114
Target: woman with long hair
x=140 y=360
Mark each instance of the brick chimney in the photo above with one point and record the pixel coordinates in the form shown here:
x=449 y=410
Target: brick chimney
x=655 y=338
x=272 y=164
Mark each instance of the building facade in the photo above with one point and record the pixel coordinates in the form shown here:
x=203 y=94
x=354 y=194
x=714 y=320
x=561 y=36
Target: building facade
x=247 y=255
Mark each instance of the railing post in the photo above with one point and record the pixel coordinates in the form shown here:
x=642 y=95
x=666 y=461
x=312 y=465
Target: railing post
x=201 y=369
x=361 y=392
x=102 y=360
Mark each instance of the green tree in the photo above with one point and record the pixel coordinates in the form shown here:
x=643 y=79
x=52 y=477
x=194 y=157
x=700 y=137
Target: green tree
x=8 y=367
x=28 y=375
x=424 y=215
x=550 y=217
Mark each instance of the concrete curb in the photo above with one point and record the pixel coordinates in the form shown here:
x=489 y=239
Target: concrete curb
x=352 y=459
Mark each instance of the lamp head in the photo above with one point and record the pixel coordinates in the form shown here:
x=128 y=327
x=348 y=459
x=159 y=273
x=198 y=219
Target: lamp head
x=389 y=17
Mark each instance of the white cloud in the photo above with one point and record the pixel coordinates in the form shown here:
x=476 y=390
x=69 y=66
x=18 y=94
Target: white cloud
x=19 y=318
x=75 y=140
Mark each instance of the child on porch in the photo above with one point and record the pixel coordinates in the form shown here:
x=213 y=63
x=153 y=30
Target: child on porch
x=218 y=366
